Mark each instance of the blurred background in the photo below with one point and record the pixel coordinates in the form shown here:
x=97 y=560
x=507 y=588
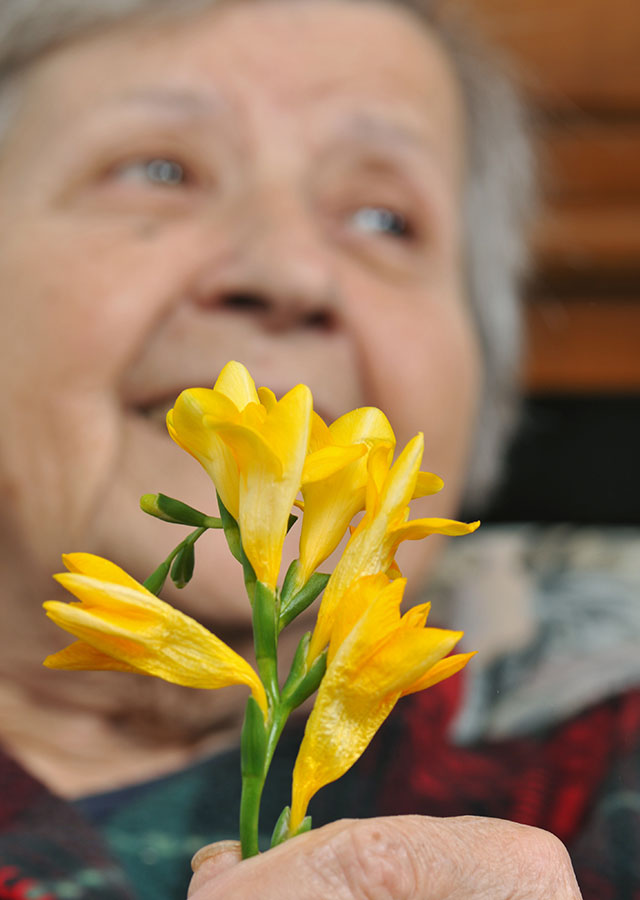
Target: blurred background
x=577 y=452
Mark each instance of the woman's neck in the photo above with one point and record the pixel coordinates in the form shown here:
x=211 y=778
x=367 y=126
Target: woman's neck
x=76 y=751
x=89 y=732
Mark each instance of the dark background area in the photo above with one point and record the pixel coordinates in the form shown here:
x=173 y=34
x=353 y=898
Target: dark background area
x=574 y=459
x=576 y=455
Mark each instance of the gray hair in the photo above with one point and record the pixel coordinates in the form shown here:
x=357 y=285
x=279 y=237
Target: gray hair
x=499 y=190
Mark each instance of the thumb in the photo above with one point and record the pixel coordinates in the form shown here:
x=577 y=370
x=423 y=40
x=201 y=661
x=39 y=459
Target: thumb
x=213 y=860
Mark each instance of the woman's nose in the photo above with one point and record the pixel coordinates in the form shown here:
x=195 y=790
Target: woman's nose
x=280 y=268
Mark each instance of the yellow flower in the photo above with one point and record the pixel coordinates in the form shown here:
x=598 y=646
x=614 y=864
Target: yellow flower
x=373 y=544
x=124 y=627
x=233 y=393
x=375 y=657
x=334 y=481
x=253 y=447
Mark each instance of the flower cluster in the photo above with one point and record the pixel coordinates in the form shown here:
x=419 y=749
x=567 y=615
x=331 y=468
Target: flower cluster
x=266 y=457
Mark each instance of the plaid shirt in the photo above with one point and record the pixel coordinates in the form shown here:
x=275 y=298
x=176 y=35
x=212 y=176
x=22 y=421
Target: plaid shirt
x=579 y=779
x=543 y=731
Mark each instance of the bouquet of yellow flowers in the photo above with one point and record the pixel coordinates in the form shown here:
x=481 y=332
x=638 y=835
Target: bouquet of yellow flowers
x=266 y=457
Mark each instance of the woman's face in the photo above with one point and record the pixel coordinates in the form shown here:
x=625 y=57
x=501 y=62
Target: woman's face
x=275 y=182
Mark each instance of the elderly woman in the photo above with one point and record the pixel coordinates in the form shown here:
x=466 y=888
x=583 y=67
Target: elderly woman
x=332 y=192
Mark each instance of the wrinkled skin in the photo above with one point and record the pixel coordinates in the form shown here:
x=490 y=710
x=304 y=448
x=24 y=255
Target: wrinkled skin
x=309 y=227
x=120 y=291
x=401 y=858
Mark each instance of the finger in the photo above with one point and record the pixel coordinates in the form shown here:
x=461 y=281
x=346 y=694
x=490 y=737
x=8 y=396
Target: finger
x=212 y=860
x=405 y=858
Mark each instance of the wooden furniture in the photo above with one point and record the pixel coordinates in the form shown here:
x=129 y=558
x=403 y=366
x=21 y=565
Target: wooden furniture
x=579 y=60
x=575 y=458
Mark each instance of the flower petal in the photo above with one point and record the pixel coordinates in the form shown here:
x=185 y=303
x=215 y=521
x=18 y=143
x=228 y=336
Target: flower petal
x=247 y=445
x=81 y=656
x=100 y=568
x=328 y=461
x=416 y=617
x=270 y=455
x=367 y=423
x=288 y=426
x=427 y=484
x=400 y=485
x=335 y=478
x=405 y=657
x=110 y=598
x=356 y=601
x=378 y=464
x=188 y=425
x=337 y=733
x=320 y=436
x=417 y=529
x=144 y=633
x=371 y=662
x=235 y=382
x=441 y=670
x=267 y=398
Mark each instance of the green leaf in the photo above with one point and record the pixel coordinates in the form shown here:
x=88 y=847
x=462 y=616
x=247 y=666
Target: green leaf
x=183 y=565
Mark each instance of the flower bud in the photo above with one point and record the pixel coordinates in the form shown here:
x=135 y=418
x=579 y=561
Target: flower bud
x=170 y=510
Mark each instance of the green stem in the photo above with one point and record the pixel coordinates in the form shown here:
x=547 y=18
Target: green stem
x=249 y=814
x=265 y=639
x=253 y=785
x=257 y=753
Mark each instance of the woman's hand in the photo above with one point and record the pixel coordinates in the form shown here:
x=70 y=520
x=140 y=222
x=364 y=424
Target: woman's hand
x=399 y=858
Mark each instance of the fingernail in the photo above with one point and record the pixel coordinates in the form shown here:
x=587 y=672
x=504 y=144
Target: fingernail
x=224 y=853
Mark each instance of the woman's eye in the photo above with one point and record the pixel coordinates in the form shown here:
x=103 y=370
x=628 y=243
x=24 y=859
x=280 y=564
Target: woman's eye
x=380 y=219
x=163 y=172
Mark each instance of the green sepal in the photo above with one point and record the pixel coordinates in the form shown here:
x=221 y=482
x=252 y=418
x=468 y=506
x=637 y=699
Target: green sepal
x=183 y=565
x=265 y=636
x=281 y=829
x=155 y=581
x=234 y=540
x=295 y=692
x=293 y=606
x=231 y=532
x=297 y=666
x=170 y=510
x=303 y=827
x=291 y=522
x=253 y=742
x=289 y=583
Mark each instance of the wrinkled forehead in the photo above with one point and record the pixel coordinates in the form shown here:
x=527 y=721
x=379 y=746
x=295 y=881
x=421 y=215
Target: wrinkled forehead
x=363 y=67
